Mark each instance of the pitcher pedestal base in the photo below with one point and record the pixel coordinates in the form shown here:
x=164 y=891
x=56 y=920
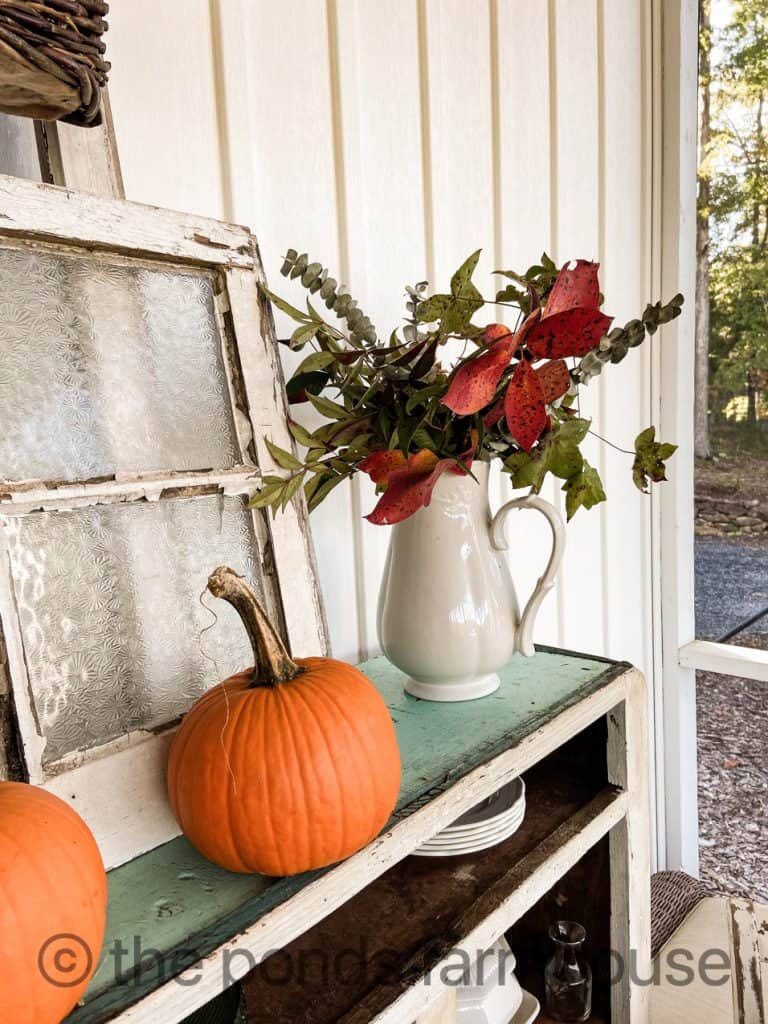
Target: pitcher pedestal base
x=471 y=689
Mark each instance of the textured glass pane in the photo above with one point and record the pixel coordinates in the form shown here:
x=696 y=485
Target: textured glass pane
x=107 y=367
x=109 y=602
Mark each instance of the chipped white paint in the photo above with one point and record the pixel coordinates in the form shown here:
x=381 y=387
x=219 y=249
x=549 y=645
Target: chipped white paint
x=119 y=788
x=715 y=966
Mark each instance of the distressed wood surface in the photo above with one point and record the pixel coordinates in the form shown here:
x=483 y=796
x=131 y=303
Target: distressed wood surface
x=748 y=923
x=421 y=909
x=453 y=754
x=630 y=851
x=525 y=882
x=77 y=218
x=546 y=865
x=294 y=553
x=86 y=158
x=119 y=787
x=731 y=934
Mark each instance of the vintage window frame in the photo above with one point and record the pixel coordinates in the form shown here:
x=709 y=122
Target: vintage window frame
x=119 y=787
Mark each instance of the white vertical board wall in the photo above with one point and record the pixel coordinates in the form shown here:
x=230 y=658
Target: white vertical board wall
x=389 y=140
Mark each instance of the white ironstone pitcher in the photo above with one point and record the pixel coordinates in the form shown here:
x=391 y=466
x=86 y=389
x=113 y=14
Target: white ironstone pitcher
x=448 y=613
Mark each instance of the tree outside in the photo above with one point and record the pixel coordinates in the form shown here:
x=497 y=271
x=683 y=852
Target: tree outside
x=731 y=435
x=732 y=237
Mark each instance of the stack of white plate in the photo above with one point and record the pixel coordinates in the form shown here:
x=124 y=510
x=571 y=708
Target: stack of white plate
x=491 y=822
x=492 y=993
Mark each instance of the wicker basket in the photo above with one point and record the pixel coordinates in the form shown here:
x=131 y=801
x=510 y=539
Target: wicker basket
x=52 y=62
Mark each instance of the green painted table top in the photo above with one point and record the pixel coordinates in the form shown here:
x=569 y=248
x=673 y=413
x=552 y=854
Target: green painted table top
x=173 y=902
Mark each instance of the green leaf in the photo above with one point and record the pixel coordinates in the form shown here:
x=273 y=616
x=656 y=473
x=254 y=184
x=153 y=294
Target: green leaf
x=315 y=482
x=565 y=458
x=327 y=408
x=314 y=313
x=283 y=306
x=529 y=469
x=267 y=495
x=421 y=438
x=303 y=334
x=301 y=434
x=323 y=491
x=462 y=279
x=574 y=430
x=511 y=294
x=314 y=362
x=650 y=459
x=360 y=444
x=291 y=488
x=423 y=395
x=466 y=298
x=454 y=311
x=433 y=308
x=312 y=383
x=284 y=459
x=584 y=488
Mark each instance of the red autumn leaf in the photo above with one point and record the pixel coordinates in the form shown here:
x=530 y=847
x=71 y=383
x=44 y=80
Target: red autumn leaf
x=554 y=379
x=494 y=414
x=495 y=332
x=527 y=326
x=575 y=287
x=573 y=332
x=380 y=465
x=475 y=383
x=524 y=406
x=408 y=490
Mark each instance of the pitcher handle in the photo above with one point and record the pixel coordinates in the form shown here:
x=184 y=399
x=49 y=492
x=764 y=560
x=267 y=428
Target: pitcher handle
x=524 y=630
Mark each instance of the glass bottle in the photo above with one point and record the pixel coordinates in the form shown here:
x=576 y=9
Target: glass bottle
x=568 y=977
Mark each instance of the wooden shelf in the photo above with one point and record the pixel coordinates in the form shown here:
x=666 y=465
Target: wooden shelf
x=354 y=965
x=191 y=914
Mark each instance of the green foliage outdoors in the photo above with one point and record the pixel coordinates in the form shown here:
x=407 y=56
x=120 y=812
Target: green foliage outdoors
x=736 y=166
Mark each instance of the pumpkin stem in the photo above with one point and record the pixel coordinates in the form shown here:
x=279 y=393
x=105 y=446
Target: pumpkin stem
x=272 y=663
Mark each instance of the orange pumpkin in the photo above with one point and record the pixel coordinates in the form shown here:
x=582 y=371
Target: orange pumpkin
x=287 y=766
x=53 y=902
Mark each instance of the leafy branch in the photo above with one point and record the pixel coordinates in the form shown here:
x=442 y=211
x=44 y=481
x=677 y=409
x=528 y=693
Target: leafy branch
x=392 y=410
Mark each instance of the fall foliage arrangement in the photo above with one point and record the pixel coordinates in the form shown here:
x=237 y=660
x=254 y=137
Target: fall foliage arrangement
x=395 y=412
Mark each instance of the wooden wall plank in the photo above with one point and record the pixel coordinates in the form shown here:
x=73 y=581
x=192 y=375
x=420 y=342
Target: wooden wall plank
x=524 y=230
x=381 y=136
x=459 y=178
x=284 y=180
x=164 y=105
x=577 y=235
x=625 y=398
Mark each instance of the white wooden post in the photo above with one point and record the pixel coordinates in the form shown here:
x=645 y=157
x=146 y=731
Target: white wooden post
x=630 y=854
x=675 y=41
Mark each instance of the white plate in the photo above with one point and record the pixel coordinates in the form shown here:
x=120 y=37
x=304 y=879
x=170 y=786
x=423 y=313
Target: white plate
x=443 y=838
x=468 y=846
x=482 y=826
x=503 y=802
x=528 y=1010
x=460 y=841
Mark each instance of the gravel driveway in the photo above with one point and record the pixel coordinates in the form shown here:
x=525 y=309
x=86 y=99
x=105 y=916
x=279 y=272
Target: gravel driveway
x=732 y=714
x=731 y=585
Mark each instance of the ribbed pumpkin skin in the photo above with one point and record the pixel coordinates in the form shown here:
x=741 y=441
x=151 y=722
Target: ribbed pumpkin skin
x=52 y=883
x=279 y=780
